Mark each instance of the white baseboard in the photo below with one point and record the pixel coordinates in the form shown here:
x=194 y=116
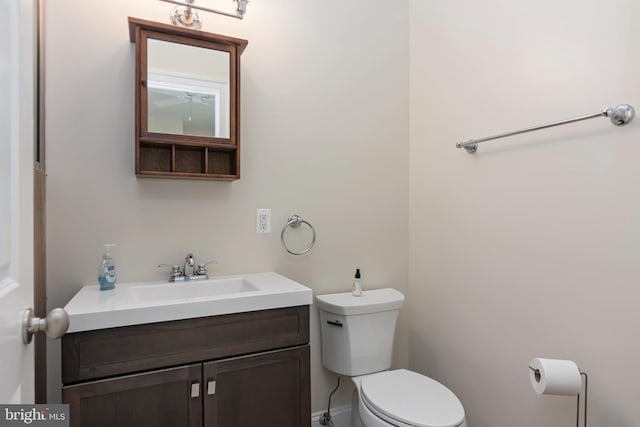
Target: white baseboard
x=341 y=417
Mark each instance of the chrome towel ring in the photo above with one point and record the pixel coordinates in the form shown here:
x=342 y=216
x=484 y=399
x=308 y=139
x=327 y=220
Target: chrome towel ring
x=294 y=221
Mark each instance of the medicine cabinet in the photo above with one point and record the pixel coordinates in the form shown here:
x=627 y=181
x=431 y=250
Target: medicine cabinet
x=187 y=115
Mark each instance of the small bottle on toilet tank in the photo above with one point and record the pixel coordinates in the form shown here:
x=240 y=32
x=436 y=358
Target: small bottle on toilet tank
x=356 y=287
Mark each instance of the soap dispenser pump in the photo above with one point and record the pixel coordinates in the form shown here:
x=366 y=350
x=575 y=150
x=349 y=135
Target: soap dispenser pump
x=107 y=272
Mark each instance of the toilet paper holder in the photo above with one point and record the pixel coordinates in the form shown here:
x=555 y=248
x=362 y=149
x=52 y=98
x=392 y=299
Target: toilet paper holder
x=537 y=375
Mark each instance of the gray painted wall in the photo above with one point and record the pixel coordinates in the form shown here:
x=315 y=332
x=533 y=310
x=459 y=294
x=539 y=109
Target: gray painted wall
x=530 y=247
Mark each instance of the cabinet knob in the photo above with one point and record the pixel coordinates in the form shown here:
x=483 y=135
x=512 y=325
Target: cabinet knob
x=195 y=390
x=211 y=388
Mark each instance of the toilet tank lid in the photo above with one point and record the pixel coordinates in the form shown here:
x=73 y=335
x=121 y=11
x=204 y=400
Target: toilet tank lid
x=371 y=301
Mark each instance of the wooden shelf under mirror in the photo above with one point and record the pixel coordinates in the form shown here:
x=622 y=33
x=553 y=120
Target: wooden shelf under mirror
x=187 y=161
x=187 y=102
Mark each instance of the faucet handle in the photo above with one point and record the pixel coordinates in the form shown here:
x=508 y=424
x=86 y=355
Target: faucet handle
x=209 y=262
x=202 y=268
x=175 y=269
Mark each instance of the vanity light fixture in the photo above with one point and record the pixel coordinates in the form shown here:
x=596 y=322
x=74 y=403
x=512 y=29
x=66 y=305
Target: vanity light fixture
x=185 y=15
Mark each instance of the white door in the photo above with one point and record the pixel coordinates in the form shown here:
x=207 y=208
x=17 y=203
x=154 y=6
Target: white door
x=17 y=59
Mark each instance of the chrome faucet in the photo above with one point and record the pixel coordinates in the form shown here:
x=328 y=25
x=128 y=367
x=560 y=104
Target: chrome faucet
x=189 y=266
x=190 y=270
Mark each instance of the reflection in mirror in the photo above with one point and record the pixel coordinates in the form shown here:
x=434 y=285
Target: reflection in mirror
x=187 y=90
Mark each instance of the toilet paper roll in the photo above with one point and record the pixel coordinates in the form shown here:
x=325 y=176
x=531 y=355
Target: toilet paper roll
x=555 y=376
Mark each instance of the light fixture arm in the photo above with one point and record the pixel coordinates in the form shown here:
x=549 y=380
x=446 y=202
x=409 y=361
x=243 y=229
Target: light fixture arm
x=241 y=8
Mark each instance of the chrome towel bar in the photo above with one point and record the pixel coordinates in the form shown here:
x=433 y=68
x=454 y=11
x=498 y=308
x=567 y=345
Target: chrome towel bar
x=619 y=116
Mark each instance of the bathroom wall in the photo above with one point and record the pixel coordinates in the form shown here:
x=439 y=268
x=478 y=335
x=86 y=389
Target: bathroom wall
x=325 y=130
x=529 y=247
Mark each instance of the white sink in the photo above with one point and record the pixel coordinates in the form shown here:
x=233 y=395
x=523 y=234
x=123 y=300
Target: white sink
x=150 y=302
x=191 y=290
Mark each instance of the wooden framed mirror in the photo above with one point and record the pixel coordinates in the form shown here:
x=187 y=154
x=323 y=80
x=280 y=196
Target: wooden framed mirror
x=187 y=102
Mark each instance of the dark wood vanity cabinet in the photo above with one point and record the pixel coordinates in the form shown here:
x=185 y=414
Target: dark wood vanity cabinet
x=237 y=370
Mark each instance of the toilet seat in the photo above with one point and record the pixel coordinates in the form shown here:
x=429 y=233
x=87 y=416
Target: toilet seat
x=408 y=399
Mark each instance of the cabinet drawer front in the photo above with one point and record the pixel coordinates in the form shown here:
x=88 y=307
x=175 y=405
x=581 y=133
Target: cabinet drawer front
x=158 y=398
x=109 y=352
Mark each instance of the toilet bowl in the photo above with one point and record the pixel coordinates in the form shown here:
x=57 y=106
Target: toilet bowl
x=403 y=398
x=357 y=341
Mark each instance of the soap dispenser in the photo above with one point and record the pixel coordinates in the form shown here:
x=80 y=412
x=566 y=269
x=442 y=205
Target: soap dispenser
x=107 y=272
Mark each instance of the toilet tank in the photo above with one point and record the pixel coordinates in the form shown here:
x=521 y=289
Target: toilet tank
x=357 y=331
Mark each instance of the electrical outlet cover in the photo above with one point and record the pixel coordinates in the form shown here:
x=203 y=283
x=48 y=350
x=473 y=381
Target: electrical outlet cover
x=263 y=221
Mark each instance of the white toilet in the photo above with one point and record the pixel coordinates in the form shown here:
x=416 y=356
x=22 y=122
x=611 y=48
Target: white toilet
x=357 y=341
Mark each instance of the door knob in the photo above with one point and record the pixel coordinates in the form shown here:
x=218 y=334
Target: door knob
x=54 y=325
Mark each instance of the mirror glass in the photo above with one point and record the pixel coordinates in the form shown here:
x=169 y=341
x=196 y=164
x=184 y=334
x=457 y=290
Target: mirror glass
x=187 y=89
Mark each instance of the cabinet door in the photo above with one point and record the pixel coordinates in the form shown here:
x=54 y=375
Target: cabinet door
x=163 y=398
x=271 y=388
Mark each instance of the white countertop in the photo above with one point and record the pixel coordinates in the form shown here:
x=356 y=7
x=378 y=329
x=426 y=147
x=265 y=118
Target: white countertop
x=149 y=302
